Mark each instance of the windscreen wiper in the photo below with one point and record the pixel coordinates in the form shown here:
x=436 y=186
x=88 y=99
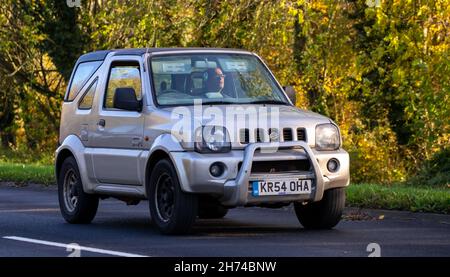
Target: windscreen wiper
x=218 y=102
x=269 y=101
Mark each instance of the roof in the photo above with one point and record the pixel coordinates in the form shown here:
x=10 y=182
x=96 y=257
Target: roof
x=101 y=54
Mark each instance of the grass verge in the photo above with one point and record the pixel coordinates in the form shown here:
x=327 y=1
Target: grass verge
x=399 y=197
x=24 y=173
x=392 y=197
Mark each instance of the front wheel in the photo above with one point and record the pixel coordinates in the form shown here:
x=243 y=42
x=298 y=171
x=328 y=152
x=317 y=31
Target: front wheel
x=76 y=206
x=172 y=210
x=324 y=214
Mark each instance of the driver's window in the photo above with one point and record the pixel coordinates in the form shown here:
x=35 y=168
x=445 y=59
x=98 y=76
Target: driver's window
x=123 y=74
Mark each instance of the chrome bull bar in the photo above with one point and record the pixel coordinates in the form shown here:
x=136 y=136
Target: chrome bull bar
x=236 y=191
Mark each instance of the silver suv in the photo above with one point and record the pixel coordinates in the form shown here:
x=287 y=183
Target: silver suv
x=196 y=131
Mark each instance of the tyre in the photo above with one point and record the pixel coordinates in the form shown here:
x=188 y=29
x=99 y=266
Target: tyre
x=76 y=206
x=324 y=214
x=172 y=210
x=211 y=210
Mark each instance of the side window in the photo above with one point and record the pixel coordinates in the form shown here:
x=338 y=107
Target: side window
x=88 y=97
x=83 y=72
x=123 y=75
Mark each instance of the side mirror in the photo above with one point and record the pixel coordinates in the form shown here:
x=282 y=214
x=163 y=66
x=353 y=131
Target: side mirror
x=290 y=91
x=125 y=99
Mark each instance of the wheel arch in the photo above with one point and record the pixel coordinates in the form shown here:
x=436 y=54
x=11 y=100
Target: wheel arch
x=161 y=148
x=155 y=157
x=62 y=155
x=72 y=146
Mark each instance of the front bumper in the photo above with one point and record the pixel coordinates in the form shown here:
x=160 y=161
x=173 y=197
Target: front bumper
x=232 y=188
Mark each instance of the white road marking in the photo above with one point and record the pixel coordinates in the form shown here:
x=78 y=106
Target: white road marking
x=29 y=210
x=82 y=248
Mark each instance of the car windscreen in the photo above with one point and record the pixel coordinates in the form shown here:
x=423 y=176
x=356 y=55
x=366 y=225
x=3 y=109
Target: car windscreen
x=213 y=78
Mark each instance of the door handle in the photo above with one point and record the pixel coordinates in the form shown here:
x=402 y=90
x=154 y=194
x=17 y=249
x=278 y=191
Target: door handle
x=136 y=141
x=101 y=123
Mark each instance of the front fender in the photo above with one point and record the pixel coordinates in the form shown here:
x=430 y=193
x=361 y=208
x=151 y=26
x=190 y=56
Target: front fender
x=168 y=144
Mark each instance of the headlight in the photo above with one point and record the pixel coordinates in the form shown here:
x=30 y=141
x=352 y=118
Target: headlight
x=212 y=139
x=327 y=137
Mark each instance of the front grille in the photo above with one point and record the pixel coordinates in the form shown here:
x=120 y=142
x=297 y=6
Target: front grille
x=287 y=134
x=259 y=135
x=244 y=136
x=274 y=135
x=301 y=134
x=278 y=166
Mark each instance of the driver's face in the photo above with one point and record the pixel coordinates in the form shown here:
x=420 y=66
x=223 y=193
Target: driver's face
x=221 y=77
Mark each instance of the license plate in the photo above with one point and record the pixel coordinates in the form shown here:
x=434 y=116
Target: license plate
x=281 y=187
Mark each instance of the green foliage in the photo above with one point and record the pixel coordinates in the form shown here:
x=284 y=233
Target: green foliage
x=381 y=72
x=27 y=156
x=31 y=82
x=404 y=66
x=374 y=155
x=434 y=172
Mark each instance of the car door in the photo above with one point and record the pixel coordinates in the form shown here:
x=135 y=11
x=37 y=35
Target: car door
x=116 y=137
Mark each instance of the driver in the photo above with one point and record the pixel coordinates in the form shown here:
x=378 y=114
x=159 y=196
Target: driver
x=220 y=78
x=216 y=81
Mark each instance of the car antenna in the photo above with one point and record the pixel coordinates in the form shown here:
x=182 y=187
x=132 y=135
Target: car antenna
x=146 y=52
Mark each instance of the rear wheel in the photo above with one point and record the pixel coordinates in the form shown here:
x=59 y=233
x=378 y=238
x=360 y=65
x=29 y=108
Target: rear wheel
x=76 y=206
x=324 y=214
x=172 y=210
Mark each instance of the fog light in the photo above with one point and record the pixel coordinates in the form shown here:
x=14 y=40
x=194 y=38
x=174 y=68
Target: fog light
x=333 y=165
x=217 y=169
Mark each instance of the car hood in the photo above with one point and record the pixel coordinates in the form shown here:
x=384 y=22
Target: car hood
x=252 y=117
x=285 y=113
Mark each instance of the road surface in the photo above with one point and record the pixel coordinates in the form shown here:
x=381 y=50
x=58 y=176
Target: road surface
x=31 y=225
